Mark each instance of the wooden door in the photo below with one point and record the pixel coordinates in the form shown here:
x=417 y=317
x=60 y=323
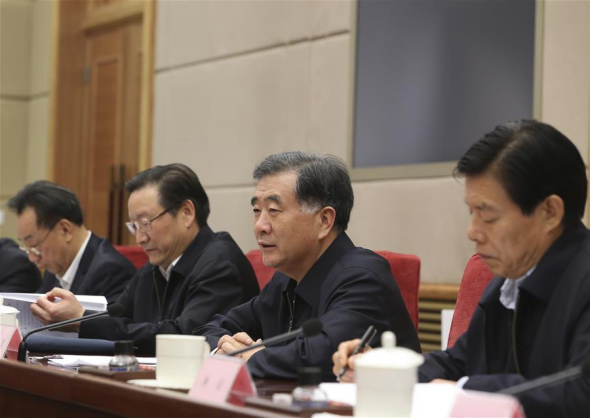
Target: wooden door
x=111 y=126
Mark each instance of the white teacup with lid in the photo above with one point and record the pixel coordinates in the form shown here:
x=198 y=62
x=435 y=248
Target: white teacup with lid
x=385 y=379
x=7 y=314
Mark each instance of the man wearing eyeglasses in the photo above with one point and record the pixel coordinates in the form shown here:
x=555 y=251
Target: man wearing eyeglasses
x=193 y=272
x=51 y=229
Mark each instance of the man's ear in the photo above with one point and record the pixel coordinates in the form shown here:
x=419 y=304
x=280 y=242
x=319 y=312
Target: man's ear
x=327 y=217
x=553 y=211
x=66 y=228
x=188 y=212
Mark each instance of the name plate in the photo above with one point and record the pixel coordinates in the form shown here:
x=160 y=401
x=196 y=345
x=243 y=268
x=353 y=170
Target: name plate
x=223 y=379
x=9 y=341
x=482 y=404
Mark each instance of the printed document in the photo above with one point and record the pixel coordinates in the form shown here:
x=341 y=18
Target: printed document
x=28 y=322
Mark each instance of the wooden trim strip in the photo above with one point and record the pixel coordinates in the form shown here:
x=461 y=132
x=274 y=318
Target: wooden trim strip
x=441 y=292
x=112 y=14
x=146 y=110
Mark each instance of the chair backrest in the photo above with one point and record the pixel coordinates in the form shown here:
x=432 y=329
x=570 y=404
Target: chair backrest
x=133 y=253
x=263 y=273
x=406 y=271
x=475 y=279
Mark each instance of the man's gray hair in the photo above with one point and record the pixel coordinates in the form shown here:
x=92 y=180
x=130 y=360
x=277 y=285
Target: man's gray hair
x=322 y=180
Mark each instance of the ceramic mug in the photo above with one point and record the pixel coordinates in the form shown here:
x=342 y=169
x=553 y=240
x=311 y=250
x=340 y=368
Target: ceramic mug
x=179 y=358
x=385 y=379
x=8 y=314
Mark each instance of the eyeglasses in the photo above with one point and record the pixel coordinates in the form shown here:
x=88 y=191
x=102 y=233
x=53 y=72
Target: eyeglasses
x=34 y=248
x=144 y=225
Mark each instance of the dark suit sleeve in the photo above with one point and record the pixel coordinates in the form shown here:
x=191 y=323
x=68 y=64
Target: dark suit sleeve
x=243 y=318
x=448 y=364
x=353 y=301
x=215 y=288
x=356 y=301
x=19 y=275
x=570 y=399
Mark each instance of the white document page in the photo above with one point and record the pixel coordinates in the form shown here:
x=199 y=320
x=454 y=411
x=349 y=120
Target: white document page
x=340 y=392
x=28 y=322
x=429 y=400
x=77 y=361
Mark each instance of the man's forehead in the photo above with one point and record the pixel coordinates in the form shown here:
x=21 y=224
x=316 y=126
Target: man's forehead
x=485 y=192
x=144 y=200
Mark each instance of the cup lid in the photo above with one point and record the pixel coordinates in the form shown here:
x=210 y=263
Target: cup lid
x=390 y=356
x=8 y=310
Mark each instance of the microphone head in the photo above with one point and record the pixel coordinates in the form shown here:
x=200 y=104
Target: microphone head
x=115 y=310
x=312 y=327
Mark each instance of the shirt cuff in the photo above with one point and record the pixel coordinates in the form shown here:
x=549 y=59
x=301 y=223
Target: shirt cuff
x=461 y=382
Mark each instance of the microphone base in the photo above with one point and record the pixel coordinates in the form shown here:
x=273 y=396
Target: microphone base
x=22 y=352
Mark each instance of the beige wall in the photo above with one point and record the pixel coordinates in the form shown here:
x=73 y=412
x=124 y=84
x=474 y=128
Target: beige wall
x=25 y=50
x=236 y=81
x=239 y=80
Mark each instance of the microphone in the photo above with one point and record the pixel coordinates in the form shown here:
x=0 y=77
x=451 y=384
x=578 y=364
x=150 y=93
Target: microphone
x=114 y=310
x=582 y=370
x=308 y=329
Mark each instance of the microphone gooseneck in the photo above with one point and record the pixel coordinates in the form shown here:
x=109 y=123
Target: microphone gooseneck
x=580 y=371
x=308 y=329
x=114 y=310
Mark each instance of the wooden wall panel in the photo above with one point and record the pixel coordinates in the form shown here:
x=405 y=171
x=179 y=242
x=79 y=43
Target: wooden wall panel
x=103 y=98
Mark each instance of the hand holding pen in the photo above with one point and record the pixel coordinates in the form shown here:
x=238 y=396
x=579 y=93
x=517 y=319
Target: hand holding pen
x=367 y=337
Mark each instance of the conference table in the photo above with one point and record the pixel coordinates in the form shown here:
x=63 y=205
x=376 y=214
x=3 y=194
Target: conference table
x=31 y=390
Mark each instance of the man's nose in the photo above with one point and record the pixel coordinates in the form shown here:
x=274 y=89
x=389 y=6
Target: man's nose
x=474 y=232
x=262 y=225
x=141 y=237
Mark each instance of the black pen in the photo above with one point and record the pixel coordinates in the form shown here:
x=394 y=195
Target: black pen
x=367 y=337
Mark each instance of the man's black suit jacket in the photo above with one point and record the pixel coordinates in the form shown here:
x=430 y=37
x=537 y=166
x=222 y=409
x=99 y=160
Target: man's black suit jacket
x=551 y=329
x=103 y=271
x=17 y=273
x=348 y=288
x=212 y=276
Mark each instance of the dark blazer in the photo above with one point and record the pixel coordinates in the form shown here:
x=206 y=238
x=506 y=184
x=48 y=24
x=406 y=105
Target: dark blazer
x=348 y=289
x=551 y=333
x=17 y=273
x=212 y=276
x=103 y=271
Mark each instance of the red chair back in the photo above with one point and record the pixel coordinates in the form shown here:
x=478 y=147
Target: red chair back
x=406 y=270
x=263 y=273
x=133 y=253
x=475 y=279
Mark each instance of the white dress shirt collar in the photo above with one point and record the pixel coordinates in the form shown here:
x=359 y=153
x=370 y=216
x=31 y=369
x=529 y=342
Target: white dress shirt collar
x=510 y=289
x=166 y=273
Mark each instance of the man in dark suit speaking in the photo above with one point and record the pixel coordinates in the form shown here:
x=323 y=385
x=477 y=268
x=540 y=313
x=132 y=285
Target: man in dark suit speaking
x=526 y=188
x=51 y=227
x=302 y=204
